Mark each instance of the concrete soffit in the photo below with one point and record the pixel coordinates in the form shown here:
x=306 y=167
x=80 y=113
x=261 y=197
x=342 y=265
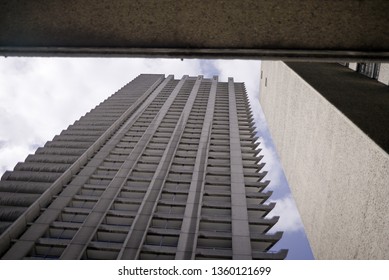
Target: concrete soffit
x=279 y=30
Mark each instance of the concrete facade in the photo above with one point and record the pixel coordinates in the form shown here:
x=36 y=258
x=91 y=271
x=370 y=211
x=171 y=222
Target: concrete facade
x=267 y=29
x=337 y=173
x=383 y=75
x=163 y=169
x=382 y=72
x=352 y=66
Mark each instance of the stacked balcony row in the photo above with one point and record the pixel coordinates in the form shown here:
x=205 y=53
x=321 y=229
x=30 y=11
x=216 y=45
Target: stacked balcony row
x=61 y=231
x=109 y=238
x=163 y=234
x=21 y=187
x=261 y=242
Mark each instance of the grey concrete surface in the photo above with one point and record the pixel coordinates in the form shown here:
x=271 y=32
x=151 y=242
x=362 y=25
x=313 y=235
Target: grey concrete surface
x=248 y=29
x=338 y=175
x=363 y=100
x=383 y=75
x=353 y=66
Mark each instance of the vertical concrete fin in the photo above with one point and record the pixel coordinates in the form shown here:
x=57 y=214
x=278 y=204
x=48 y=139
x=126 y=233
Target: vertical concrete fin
x=132 y=245
x=189 y=228
x=81 y=240
x=241 y=244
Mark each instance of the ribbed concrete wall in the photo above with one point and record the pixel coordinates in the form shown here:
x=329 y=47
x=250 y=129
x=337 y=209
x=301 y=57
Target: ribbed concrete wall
x=66 y=151
x=338 y=175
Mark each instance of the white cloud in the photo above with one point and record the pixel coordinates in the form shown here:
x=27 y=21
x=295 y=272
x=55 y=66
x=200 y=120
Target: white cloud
x=9 y=152
x=275 y=172
x=289 y=217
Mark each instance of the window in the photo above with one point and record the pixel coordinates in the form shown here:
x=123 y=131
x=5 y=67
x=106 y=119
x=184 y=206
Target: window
x=369 y=69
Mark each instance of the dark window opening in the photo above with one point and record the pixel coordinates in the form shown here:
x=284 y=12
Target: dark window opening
x=369 y=69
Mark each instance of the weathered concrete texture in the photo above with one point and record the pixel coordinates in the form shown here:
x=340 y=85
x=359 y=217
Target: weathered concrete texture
x=338 y=175
x=246 y=28
x=352 y=66
x=383 y=75
x=363 y=100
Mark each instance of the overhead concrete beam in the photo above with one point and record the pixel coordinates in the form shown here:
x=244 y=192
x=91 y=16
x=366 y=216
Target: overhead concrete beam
x=266 y=29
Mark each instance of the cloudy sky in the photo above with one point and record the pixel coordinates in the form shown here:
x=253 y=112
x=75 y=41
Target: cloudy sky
x=39 y=97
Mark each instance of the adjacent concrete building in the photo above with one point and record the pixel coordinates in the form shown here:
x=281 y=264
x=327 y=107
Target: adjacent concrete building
x=330 y=127
x=374 y=70
x=163 y=169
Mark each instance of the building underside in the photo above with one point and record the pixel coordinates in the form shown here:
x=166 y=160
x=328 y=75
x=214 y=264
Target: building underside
x=246 y=29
